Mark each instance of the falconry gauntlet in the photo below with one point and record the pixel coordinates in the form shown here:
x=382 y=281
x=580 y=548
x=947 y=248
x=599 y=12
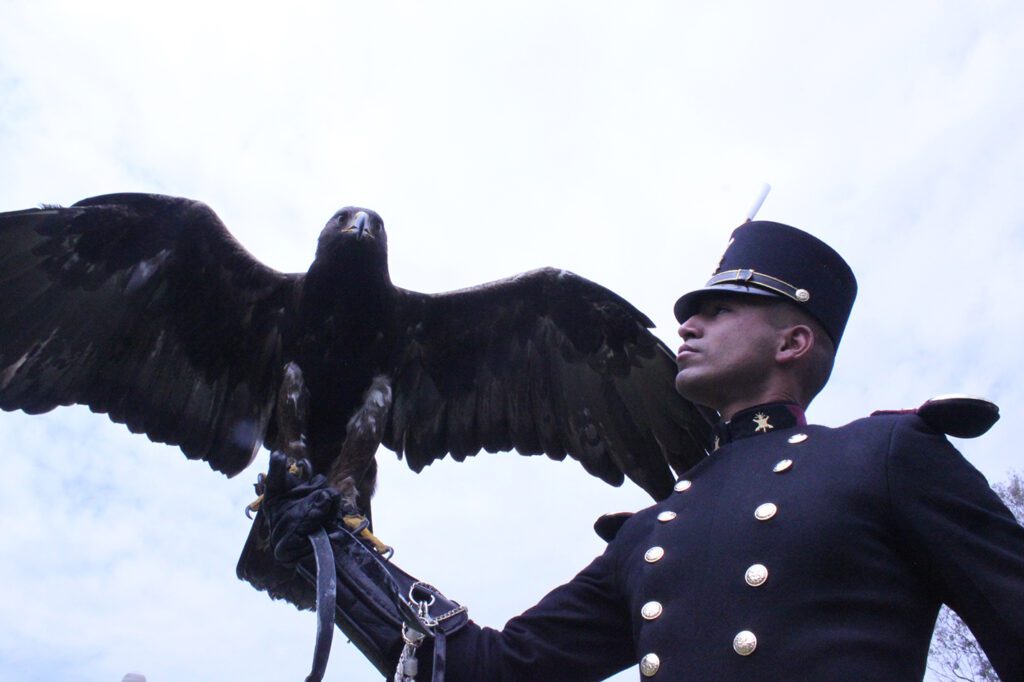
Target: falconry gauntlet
x=384 y=611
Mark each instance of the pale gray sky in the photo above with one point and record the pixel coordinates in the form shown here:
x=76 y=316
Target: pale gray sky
x=622 y=144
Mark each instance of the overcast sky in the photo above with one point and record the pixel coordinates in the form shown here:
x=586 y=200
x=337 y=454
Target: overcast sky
x=493 y=138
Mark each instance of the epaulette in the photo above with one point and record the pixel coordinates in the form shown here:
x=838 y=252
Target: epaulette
x=954 y=414
x=607 y=526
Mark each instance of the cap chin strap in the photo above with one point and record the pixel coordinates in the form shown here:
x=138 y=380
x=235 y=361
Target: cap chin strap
x=759 y=279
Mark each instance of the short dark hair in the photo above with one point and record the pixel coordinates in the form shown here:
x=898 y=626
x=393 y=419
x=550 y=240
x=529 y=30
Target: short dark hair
x=814 y=373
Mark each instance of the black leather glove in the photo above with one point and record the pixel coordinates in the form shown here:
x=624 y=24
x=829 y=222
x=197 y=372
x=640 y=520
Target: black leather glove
x=296 y=506
x=376 y=600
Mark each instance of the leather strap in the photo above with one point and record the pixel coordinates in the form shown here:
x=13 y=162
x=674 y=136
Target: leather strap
x=326 y=598
x=392 y=586
x=440 y=651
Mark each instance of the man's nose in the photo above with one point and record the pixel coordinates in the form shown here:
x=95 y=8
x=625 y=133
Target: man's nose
x=689 y=329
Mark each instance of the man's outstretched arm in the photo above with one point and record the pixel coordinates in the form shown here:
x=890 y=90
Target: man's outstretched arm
x=580 y=631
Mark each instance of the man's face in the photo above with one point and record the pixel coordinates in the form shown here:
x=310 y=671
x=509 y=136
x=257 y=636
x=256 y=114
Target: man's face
x=728 y=351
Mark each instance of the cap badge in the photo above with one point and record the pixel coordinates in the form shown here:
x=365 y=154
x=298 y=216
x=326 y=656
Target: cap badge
x=761 y=419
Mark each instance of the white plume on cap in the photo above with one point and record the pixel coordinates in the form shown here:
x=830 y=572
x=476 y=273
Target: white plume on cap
x=756 y=206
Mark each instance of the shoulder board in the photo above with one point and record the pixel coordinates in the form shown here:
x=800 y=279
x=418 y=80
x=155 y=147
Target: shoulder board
x=954 y=414
x=607 y=527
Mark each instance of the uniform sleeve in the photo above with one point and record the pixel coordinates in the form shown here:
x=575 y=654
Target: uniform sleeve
x=579 y=631
x=963 y=538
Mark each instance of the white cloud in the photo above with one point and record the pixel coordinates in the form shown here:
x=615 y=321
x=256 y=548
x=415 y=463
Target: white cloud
x=493 y=138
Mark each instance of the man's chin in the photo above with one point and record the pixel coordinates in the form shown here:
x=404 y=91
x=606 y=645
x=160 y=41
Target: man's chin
x=688 y=387
x=695 y=389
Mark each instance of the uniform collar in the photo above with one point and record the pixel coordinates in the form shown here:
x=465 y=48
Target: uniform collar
x=757 y=420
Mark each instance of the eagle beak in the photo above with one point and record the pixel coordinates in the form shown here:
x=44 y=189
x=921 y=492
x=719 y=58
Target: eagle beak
x=359 y=225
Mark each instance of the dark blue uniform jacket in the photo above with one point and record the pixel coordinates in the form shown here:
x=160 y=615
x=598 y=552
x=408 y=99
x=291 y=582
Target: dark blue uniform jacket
x=798 y=553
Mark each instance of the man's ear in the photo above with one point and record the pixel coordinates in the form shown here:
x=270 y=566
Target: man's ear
x=794 y=343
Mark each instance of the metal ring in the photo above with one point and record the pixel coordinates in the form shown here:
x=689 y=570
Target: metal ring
x=430 y=593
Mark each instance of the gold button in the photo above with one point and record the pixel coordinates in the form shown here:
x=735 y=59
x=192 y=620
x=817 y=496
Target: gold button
x=654 y=554
x=666 y=516
x=797 y=438
x=744 y=643
x=783 y=465
x=765 y=511
x=651 y=610
x=682 y=486
x=649 y=665
x=756 y=575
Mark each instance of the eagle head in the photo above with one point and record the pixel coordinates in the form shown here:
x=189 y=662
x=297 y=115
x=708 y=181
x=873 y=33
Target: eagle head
x=353 y=230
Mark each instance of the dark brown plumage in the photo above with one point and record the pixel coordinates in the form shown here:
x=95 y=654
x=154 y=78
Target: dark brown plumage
x=145 y=308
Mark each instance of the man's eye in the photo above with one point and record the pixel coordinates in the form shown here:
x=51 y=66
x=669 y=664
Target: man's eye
x=721 y=309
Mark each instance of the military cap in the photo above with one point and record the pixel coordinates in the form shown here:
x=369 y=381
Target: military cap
x=764 y=258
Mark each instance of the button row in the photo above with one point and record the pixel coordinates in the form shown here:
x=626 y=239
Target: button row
x=744 y=644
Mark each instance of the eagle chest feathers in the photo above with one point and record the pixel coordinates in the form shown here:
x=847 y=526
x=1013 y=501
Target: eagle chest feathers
x=344 y=359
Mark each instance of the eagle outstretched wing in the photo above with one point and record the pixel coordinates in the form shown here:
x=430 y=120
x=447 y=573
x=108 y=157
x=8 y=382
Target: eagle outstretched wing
x=143 y=307
x=545 y=362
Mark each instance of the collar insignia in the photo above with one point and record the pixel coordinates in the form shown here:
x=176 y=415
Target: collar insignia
x=761 y=419
x=754 y=421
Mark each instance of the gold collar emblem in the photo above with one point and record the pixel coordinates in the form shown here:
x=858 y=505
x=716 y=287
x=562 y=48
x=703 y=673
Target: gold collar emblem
x=761 y=419
x=718 y=443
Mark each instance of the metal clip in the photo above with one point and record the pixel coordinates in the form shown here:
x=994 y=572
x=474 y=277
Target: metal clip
x=423 y=606
x=408 y=666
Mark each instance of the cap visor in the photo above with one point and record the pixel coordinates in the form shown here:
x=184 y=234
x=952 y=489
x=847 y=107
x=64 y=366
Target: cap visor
x=687 y=304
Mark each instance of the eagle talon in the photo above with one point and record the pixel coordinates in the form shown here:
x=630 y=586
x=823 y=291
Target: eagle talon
x=253 y=507
x=359 y=525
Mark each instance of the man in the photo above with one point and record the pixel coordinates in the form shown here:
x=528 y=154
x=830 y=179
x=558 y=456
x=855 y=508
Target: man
x=793 y=552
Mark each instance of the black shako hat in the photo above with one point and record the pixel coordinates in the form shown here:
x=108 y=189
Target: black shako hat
x=771 y=259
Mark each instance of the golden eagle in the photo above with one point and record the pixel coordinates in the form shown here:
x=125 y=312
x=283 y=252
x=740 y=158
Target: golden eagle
x=145 y=308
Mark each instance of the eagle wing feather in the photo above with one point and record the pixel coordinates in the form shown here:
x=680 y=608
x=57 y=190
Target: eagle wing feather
x=545 y=362
x=143 y=307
